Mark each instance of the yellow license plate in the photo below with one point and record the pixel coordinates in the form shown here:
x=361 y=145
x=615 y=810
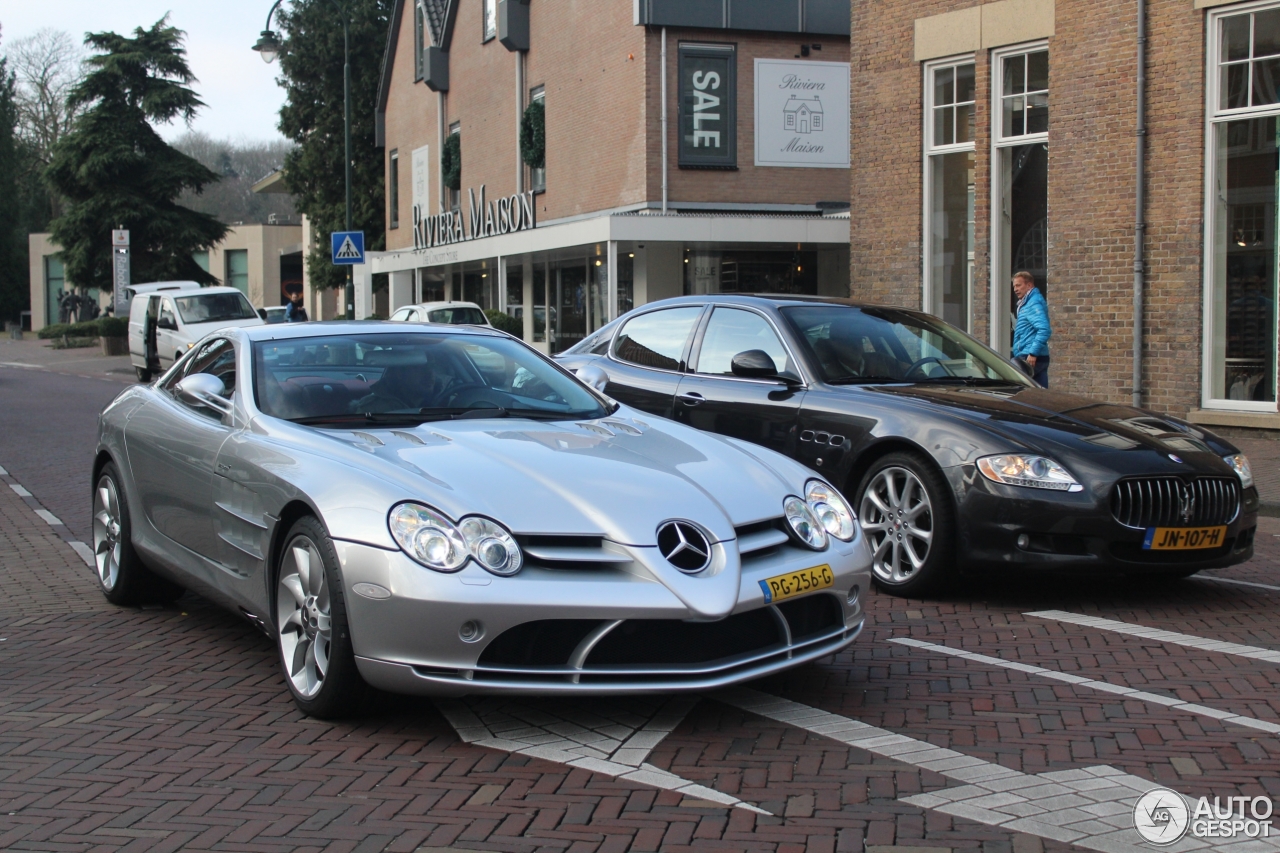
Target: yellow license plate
x=791 y=584
x=1184 y=538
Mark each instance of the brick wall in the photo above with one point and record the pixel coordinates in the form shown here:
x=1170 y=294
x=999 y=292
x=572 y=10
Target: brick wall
x=1091 y=186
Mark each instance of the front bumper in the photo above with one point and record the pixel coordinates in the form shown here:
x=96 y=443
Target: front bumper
x=1076 y=532
x=615 y=629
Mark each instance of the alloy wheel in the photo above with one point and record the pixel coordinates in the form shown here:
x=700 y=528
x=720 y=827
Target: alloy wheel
x=107 y=546
x=302 y=614
x=897 y=518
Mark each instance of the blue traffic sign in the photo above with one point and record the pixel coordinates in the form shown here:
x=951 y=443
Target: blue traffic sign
x=347 y=247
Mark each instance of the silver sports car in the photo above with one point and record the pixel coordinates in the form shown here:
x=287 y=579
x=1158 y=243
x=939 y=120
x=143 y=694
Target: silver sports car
x=443 y=510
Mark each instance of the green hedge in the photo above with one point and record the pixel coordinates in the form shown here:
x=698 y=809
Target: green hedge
x=103 y=327
x=506 y=323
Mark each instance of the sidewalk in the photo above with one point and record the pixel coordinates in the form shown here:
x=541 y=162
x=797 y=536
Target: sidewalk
x=1264 y=459
x=33 y=353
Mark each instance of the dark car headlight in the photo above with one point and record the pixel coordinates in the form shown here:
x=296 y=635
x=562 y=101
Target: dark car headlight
x=1240 y=464
x=437 y=543
x=831 y=510
x=1035 y=472
x=804 y=523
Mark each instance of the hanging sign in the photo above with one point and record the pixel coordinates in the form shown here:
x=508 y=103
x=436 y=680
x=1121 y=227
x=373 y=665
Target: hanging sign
x=708 y=87
x=488 y=219
x=802 y=113
x=120 y=272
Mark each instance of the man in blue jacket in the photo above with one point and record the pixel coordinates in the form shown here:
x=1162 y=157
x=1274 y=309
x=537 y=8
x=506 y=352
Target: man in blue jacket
x=1031 y=333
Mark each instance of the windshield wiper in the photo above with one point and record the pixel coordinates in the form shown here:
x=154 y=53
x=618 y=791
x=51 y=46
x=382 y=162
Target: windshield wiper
x=364 y=417
x=967 y=380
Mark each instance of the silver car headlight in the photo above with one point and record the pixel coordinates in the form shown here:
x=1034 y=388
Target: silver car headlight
x=1036 y=472
x=1240 y=464
x=491 y=545
x=831 y=510
x=806 y=526
x=428 y=537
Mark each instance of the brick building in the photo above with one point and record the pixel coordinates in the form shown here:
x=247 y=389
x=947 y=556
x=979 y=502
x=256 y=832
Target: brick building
x=638 y=199
x=1000 y=136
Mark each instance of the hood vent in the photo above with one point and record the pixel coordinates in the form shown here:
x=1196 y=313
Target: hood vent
x=570 y=552
x=761 y=537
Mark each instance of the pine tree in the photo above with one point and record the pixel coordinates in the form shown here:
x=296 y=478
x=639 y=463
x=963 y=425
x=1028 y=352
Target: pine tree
x=113 y=170
x=311 y=65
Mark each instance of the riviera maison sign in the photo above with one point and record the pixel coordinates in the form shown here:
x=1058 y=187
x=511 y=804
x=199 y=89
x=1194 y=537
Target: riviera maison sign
x=802 y=114
x=488 y=219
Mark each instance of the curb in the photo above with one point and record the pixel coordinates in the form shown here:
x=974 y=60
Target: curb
x=1270 y=509
x=83 y=551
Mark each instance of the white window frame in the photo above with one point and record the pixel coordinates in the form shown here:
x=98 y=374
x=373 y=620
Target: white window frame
x=929 y=151
x=999 y=303
x=1214 y=115
x=487 y=35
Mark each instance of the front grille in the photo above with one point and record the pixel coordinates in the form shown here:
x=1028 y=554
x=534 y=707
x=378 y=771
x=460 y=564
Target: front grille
x=1173 y=502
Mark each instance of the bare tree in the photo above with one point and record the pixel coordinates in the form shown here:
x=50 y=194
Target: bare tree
x=241 y=164
x=48 y=64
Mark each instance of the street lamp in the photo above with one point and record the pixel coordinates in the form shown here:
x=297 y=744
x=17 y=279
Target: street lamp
x=268 y=47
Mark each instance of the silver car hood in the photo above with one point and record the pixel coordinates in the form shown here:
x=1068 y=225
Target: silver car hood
x=619 y=477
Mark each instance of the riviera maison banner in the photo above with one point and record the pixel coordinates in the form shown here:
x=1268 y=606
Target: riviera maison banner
x=708 y=106
x=802 y=113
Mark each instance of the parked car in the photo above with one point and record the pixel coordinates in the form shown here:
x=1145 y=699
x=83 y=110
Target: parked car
x=951 y=455
x=391 y=510
x=273 y=314
x=163 y=325
x=449 y=313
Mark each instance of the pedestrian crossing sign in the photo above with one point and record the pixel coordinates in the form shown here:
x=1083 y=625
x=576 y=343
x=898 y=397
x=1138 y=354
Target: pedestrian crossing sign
x=347 y=247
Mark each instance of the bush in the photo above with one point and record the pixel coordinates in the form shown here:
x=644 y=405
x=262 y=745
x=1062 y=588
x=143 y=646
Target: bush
x=506 y=323
x=113 y=327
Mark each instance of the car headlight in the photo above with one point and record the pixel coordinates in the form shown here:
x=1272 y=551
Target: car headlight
x=491 y=545
x=428 y=537
x=1036 y=472
x=1240 y=464
x=806 y=526
x=831 y=510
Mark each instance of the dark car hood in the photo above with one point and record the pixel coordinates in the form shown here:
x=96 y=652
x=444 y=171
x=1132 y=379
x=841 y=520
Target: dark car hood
x=1052 y=422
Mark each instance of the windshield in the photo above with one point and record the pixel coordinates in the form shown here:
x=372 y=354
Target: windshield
x=390 y=378
x=869 y=345
x=214 y=308
x=464 y=316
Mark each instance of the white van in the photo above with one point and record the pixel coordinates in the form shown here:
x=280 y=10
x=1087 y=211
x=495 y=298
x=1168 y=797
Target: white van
x=166 y=322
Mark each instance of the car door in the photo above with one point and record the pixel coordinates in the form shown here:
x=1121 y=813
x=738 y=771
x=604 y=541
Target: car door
x=762 y=411
x=167 y=344
x=648 y=356
x=172 y=445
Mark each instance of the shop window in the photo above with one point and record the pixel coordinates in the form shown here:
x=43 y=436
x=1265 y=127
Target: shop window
x=750 y=271
x=949 y=188
x=393 y=189
x=201 y=259
x=1244 y=164
x=55 y=281
x=490 y=19
x=238 y=270
x=1020 y=181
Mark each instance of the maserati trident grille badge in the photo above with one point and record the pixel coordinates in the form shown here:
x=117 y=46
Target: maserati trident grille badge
x=685 y=546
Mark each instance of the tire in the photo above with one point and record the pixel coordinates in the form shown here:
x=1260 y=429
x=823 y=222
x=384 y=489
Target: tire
x=123 y=578
x=143 y=374
x=906 y=513
x=312 y=634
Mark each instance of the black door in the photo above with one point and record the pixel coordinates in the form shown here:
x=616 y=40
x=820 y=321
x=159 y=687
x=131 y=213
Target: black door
x=710 y=397
x=648 y=357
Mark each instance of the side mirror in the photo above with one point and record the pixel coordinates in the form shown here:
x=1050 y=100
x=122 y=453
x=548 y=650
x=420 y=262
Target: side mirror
x=204 y=389
x=262 y=312
x=593 y=376
x=754 y=364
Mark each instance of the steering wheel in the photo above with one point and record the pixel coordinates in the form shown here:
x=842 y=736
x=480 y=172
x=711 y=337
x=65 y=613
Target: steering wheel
x=921 y=362
x=464 y=396
x=377 y=401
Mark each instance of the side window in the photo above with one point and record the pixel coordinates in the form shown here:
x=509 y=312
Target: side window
x=657 y=339
x=732 y=331
x=216 y=357
x=167 y=319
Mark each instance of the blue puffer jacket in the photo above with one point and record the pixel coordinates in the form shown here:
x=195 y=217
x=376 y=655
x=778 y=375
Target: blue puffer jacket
x=1031 y=333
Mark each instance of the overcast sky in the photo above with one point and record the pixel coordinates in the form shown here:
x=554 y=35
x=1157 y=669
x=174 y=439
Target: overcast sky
x=239 y=88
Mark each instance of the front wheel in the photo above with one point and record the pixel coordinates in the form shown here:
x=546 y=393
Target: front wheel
x=311 y=625
x=143 y=374
x=121 y=575
x=906 y=514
